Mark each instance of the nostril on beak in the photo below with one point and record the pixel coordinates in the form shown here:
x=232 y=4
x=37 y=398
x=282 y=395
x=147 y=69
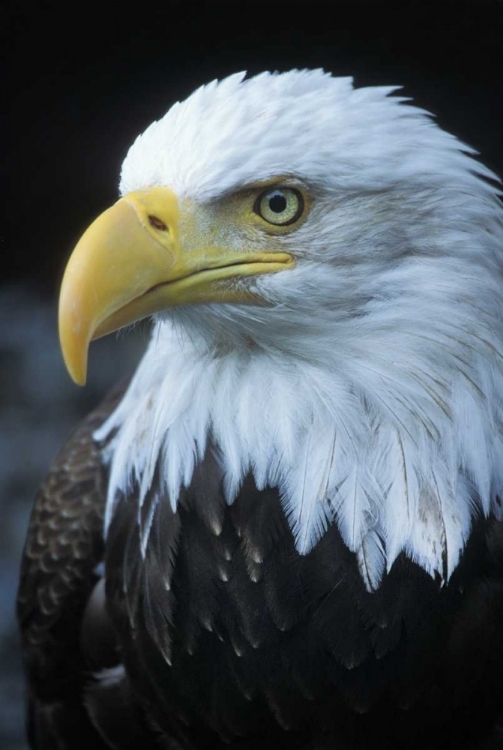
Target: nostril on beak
x=157 y=223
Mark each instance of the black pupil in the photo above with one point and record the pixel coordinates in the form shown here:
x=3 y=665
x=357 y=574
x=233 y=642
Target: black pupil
x=277 y=203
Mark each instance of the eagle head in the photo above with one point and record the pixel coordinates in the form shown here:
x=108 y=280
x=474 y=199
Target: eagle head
x=323 y=267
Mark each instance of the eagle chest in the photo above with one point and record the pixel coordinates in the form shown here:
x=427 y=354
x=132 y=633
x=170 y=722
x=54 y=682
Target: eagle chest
x=247 y=627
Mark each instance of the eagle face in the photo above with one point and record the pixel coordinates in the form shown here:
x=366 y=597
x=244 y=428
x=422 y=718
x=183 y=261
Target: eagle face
x=319 y=261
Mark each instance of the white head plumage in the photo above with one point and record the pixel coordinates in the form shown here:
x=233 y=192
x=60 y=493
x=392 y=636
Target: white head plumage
x=370 y=389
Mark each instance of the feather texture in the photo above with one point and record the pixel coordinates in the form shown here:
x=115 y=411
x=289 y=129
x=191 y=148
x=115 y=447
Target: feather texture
x=369 y=388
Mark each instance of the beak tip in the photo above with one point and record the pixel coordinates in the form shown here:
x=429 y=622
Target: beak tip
x=77 y=374
x=75 y=360
x=79 y=380
x=74 y=344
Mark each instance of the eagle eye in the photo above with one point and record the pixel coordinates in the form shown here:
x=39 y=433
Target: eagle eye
x=279 y=206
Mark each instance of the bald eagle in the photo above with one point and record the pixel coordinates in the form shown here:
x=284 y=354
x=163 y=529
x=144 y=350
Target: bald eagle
x=286 y=530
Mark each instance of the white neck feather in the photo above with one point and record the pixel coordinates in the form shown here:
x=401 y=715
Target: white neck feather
x=395 y=435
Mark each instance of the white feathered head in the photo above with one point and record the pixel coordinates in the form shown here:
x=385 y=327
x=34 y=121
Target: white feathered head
x=324 y=266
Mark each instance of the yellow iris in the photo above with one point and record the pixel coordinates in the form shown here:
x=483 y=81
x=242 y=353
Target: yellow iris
x=280 y=206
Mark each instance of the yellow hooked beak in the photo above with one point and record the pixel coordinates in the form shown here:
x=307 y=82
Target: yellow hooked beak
x=130 y=263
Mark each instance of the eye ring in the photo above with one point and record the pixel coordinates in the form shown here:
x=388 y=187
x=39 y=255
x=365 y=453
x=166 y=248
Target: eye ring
x=279 y=206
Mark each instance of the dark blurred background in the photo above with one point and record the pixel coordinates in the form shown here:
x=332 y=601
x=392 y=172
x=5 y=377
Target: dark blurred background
x=80 y=82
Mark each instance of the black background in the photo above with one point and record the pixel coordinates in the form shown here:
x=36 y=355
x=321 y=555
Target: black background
x=79 y=82
x=83 y=81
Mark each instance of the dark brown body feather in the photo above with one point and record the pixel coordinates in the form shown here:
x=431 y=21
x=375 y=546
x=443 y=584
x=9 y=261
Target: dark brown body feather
x=229 y=636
